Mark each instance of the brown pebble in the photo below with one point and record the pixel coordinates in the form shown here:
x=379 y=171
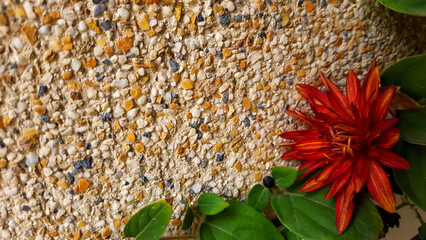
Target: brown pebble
x=257 y=177
x=176 y=222
x=246 y=103
x=125 y=44
x=83 y=185
x=66 y=75
x=29 y=30
x=226 y=53
x=75 y=95
x=309 y=6
x=187 y=84
x=238 y=166
x=90 y=63
x=131 y=137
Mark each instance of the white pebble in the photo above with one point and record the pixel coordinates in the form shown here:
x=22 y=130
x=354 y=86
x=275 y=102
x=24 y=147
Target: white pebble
x=29 y=10
x=123 y=13
x=197 y=187
x=75 y=64
x=120 y=83
x=31 y=159
x=17 y=43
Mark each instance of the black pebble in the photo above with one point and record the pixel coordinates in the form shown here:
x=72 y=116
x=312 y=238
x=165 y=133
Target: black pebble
x=144 y=179
x=200 y=18
x=174 y=66
x=199 y=134
x=246 y=122
x=99 y=200
x=225 y=97
x=70 y=178
x=87 y=162
x=268 y=182
x=45 y=118
x=25 y=208
x=220 y=157
x=42 y=90
x=106 y=25
x=225 y=19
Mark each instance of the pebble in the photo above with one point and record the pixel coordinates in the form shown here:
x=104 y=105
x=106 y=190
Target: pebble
x=99 y=9
x=196 y=188
x=31 y=159
x=225 y=19
x=123 y=13
x=174 y=66
x=187 y=84
x=106 y=25
x=42 y=90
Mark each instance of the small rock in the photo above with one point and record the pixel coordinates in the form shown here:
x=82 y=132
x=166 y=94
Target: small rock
x=197 y=187
x=225 y=19
x=99 y=9
x=174 y=66
x=123 y=13
x=31 y=159
x=187 y=84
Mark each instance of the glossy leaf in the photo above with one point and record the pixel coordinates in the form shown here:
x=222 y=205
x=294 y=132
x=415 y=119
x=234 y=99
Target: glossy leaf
x=412 y=7
x=284 y=176
x=188 y=219
x=289 y=235
x=238 y=222
x=310 y=217
x=409 y=73
x=210 y=204
x=258 y=197
x=150 y=222
x=412 y=124
x=412 y=181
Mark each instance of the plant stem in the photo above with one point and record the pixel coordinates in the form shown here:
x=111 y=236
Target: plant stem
x=405 y=201
x=401 y=205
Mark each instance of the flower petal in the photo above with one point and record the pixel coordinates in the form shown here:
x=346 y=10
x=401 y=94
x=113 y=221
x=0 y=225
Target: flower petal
x=312 y=95
x=370 y=86
x=337 y=99
x=344 y=208
x=314 y=123
x=360 y=172
x=312 y=166
x=333 y=90
x=352 y=87
x=337 y=185
x=379 y=186
x=381 y=106
x=388 y=158
x=311 y=145
x=300 y=135
x=387 y=139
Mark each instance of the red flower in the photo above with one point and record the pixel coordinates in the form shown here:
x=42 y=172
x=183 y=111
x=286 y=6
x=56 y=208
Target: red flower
x=348 y=141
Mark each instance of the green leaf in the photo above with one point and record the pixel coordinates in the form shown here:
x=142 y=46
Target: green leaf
x=310 y=217
x=412 y=181
x=289 y=235
x=409 y=73
x=150 y=222
x=412 y=124
x=284 y=176
x=210 y=204
x=187 y=220
x=258 y=197
x=238 y=222
x=412 y=7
